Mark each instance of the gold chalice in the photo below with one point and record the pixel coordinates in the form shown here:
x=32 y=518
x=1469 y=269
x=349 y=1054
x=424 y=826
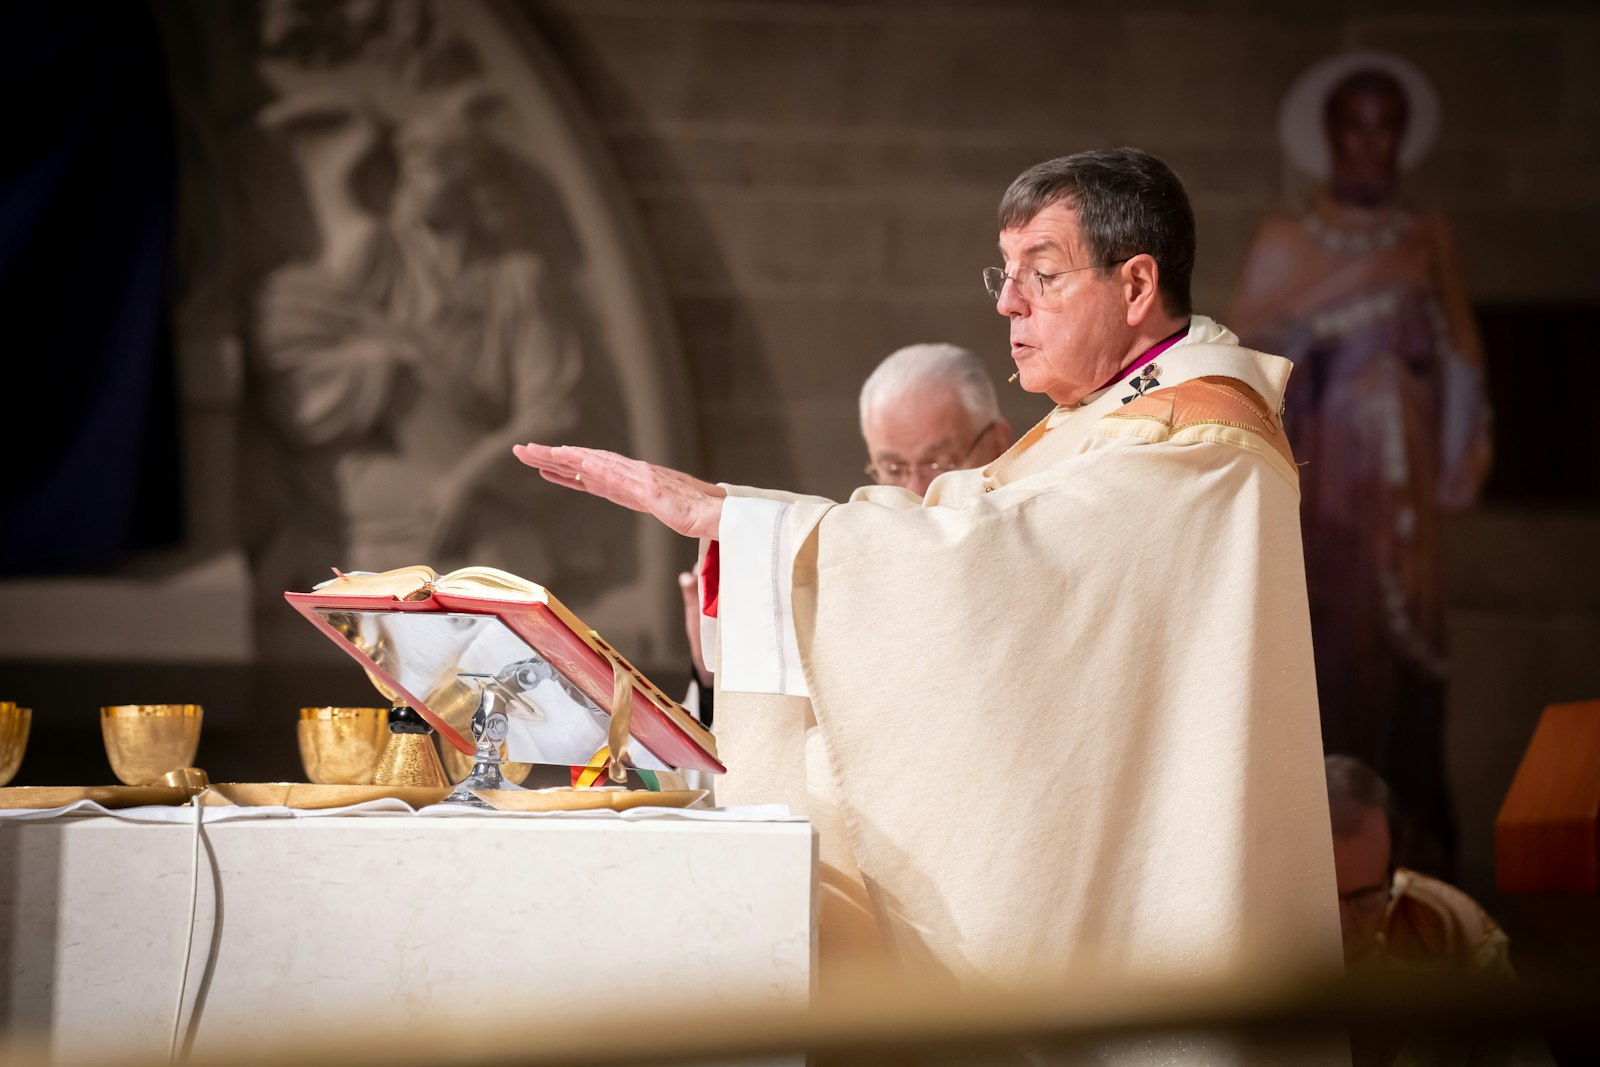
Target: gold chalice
x=341 y=746
x=145 y=741
x=14 y=723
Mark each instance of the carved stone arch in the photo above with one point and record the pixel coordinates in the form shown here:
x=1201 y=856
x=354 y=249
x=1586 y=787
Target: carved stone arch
x=631 y=294
x=329 y=130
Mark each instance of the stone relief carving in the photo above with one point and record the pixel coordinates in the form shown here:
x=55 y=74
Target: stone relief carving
x=427 y=271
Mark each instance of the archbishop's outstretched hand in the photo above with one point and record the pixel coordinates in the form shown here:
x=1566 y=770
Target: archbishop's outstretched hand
x=687 y=505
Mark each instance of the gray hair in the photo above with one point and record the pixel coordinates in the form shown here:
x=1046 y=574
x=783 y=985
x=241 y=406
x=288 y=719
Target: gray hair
x=926 y=366
x=1127 y=202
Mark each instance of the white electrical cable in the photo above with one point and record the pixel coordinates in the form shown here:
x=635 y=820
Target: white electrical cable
x=188 y=942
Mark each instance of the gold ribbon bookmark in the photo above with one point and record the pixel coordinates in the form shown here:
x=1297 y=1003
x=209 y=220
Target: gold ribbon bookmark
x=621 y=714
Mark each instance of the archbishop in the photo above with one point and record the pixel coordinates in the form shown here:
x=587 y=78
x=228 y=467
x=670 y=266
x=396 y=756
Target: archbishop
x=1058 y=715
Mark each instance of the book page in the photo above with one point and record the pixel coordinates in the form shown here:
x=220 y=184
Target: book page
x=491 y=583
x=402 y=583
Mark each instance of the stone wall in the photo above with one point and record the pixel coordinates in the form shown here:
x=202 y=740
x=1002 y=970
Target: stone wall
x=819 y=179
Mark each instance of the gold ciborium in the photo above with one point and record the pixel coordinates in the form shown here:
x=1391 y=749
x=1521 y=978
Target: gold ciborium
x=341 y=746
x=14 y=723
x=145 y=741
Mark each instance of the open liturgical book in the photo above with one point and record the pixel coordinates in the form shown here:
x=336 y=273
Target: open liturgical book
x=436 y=641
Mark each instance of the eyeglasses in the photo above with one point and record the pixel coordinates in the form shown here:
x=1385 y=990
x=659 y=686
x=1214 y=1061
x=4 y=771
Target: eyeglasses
x=893 y=473
x=1033 y=286
x=1369 y=899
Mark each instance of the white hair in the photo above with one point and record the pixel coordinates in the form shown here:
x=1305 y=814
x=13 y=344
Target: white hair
x=917 y=367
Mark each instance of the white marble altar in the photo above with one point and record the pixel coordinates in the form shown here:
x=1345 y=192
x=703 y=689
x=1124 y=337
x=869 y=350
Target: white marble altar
x=308 y=924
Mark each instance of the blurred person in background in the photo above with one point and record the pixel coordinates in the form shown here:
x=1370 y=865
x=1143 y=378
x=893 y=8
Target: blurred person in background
x=1397 y=921
x=926 y=409
x=1392 y=916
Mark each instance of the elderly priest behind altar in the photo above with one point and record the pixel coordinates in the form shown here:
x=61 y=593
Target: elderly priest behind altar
x=1059 y=715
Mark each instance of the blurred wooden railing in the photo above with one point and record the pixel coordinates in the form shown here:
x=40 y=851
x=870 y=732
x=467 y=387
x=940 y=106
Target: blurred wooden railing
x=872 y=1018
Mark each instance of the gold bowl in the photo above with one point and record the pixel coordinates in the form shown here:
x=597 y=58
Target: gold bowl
x=14 y=722
x=341 y=746
x=145 y=741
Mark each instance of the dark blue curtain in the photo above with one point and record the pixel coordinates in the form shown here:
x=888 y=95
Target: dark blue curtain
x=87 y=193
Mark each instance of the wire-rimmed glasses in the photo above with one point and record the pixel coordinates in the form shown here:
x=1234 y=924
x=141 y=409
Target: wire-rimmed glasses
x=1035 y=286
x=896 y=473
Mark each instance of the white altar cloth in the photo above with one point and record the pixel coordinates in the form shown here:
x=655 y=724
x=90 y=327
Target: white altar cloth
x=303 y=924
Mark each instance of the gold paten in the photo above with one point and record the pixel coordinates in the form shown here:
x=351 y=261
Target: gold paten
x=107 y=796
x=341 y=746
x=311 y=795
x=566 y=799
x=145 y=741
x=14 y=723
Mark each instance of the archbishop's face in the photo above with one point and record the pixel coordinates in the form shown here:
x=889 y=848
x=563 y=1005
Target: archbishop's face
x=1067 y=331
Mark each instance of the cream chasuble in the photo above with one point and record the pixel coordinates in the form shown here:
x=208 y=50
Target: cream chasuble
x=1061 y=713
